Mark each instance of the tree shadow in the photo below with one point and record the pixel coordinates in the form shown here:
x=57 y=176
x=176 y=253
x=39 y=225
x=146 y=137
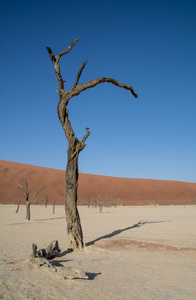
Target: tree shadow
x=49 y=219
x=58 y=263
x=116 y=232
x=91 y=276
x=65 y=252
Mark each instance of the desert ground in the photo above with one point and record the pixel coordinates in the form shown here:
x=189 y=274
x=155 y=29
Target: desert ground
x=132 y=252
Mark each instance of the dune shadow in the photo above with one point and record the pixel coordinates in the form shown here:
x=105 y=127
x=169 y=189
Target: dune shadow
x=116 y=232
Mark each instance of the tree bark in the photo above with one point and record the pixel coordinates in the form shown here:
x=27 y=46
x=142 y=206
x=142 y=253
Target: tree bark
x=54 y=200
x=74 y=228
x=28 y=213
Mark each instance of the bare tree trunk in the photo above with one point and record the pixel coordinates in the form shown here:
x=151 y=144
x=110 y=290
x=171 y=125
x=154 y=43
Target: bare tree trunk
x=28 y=213
x=74 y=228
x=54 y=200
x=17 y=210
x=100 y=203
x=95 y=202
x=46 y=200
x=74 y=145
x=88 y=201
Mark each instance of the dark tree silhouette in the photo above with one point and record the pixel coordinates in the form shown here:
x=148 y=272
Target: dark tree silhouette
x=75 y=146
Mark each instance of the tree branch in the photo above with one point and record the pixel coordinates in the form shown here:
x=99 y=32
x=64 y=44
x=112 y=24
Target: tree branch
x=31 y=190
x=55 y=61
x=77 y=89
x=81 y=144
x=53 y=58
x=90 y=84
x=37 y=193
x=20 y=185
x=25 y=187
x=67 y=50
x=86 y=135
x=57 y=69
x=79 y=73
x=97 y=81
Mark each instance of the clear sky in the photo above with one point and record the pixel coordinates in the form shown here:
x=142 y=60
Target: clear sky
x=150 y=45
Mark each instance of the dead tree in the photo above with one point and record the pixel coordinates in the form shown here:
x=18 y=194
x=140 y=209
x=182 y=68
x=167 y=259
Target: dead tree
x=100 y=203
x=108 y=201
x=54 y=201
x=117 y=201
x=46 y=200
x=26 y=194
x=154 y=201
x=89 y=200
x=75 y=146
x=17 y=210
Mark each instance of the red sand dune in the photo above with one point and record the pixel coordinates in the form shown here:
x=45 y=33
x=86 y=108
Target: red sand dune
x=129 y=191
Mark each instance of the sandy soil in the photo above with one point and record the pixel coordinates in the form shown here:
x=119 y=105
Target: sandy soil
x=131 y=253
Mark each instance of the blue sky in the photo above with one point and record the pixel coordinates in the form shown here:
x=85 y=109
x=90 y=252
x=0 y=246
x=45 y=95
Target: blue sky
x=150 y=45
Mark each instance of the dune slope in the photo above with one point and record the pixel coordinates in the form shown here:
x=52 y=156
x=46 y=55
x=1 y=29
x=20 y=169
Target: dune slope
x=128 y=191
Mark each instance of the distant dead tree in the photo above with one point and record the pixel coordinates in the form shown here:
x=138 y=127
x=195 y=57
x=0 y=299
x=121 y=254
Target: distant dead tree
x=100 y=203
x=108 y=201
x=54 y=201
x=18 y=206
x=88 y=201
x=46 y=200
x=75 y=146
x=26 y=195
x=95 y=202
x=155 y=202
x=117 y=201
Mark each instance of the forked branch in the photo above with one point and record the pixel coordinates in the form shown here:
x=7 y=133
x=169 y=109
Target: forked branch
x=53 y=58
x=81 y=144
x=77 y=89
x=27 y=193
x=37 y=193
x=55 y=61
x=68 y=49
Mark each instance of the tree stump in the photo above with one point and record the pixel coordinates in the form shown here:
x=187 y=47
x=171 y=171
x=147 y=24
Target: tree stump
x=40 y=258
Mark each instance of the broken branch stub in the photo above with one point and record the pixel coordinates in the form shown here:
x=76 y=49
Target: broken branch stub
x=51 y=251
x=40 y=258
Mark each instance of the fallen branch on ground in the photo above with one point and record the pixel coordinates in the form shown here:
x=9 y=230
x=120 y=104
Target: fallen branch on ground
x=39 y=258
